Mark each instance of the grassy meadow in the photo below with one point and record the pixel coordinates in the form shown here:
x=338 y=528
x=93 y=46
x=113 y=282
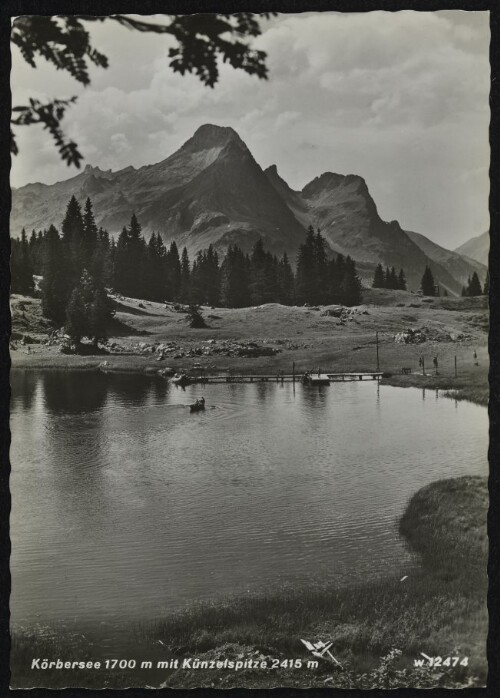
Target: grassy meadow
x=308 y=337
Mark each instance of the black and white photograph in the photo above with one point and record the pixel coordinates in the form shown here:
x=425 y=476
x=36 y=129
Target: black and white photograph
x=249 y=350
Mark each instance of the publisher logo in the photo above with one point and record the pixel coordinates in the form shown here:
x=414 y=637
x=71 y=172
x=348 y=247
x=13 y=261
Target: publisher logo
x=320 y=649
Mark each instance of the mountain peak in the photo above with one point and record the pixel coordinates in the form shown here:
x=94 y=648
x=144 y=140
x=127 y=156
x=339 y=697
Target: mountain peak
x=212 y=136
x=332 y=180
x=272 y=170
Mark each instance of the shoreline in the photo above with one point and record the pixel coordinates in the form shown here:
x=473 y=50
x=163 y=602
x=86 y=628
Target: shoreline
x=449 y=386
x=145 y=337
x=377 y=627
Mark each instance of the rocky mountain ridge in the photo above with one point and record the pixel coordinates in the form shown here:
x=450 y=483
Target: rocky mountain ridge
x=212 y=191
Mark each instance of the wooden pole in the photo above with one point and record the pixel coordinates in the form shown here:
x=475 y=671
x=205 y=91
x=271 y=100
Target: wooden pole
x=423 y=365
x=293 y=371
x=378 y=362
x=455 y=366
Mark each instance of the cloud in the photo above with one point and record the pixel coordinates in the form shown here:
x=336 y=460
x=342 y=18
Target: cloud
x=400 y=98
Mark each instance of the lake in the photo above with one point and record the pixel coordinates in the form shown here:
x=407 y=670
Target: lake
x=125 y=505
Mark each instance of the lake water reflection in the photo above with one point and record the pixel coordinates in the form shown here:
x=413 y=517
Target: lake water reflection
x=125 y=505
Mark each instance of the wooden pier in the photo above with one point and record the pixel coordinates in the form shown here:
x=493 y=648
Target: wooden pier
x=356 y=376
x=322 y=379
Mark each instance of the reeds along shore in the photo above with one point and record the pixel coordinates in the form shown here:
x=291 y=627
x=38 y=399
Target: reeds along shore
x=378 y=628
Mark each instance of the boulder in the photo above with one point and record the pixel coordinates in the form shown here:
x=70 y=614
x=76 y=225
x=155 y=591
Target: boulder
x=410 y=336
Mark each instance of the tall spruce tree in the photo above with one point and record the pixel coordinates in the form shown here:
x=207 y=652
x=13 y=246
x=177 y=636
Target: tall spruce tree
x=427 y=284
x=173 y=272
x=486 y=288
x=136 y=258
x=73 y=239
x=235 y=291
x=101 y=262
x=88 y=311
x=122 y=268
x=56 y=282
x=77 y=322
x=36 y=251
x=20 y=266
x=378 y=277
x=263 y=275
x=185 y=291
x=130 y=261
x=320 y=290
x=286 y=281
x=402 y=280
x=393 y=280
x=305 y=277
x=99 y=315
x=337 y=272
x=474 y=287
x=351 y=284
x=89 y=234
x=205 y=277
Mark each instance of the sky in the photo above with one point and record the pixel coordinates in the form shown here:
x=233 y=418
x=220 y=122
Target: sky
x=401 y=99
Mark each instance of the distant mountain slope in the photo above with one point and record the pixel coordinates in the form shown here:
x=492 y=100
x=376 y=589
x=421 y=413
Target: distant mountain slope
x=342 y=208
x=459 y=266
x=476 y=248
x=212 y=191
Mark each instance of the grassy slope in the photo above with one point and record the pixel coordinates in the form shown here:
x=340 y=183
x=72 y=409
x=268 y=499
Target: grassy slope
x=320 y=340
x=440 y=610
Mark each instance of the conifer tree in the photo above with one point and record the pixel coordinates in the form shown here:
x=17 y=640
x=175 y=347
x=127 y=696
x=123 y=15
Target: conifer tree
x=184 y=295
x=378 y=277
x=37 y=246
x=173 y=272
x=89 y=234
x=130 y=261
x=387 y=276
x=305 y=281
x=286 y=281
x=351 y=285
x=393 y=280
x=235 y=279
x=263 y=275
x=20 y=266
x=474 y=288
x=99 y=316
x=154 y=284
x=337 y=277
x=136 y=258
x=101 y=262
x=77 y=325
x=88 y=311
x=486 y=288
x=402 y=280
x=427 y=284
x=121 y=267
x=73 y=239
x=55 y=286
x=72 y=225
x=320 y=289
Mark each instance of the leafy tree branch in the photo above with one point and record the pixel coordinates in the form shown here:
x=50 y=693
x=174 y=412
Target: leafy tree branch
x=200 y=42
